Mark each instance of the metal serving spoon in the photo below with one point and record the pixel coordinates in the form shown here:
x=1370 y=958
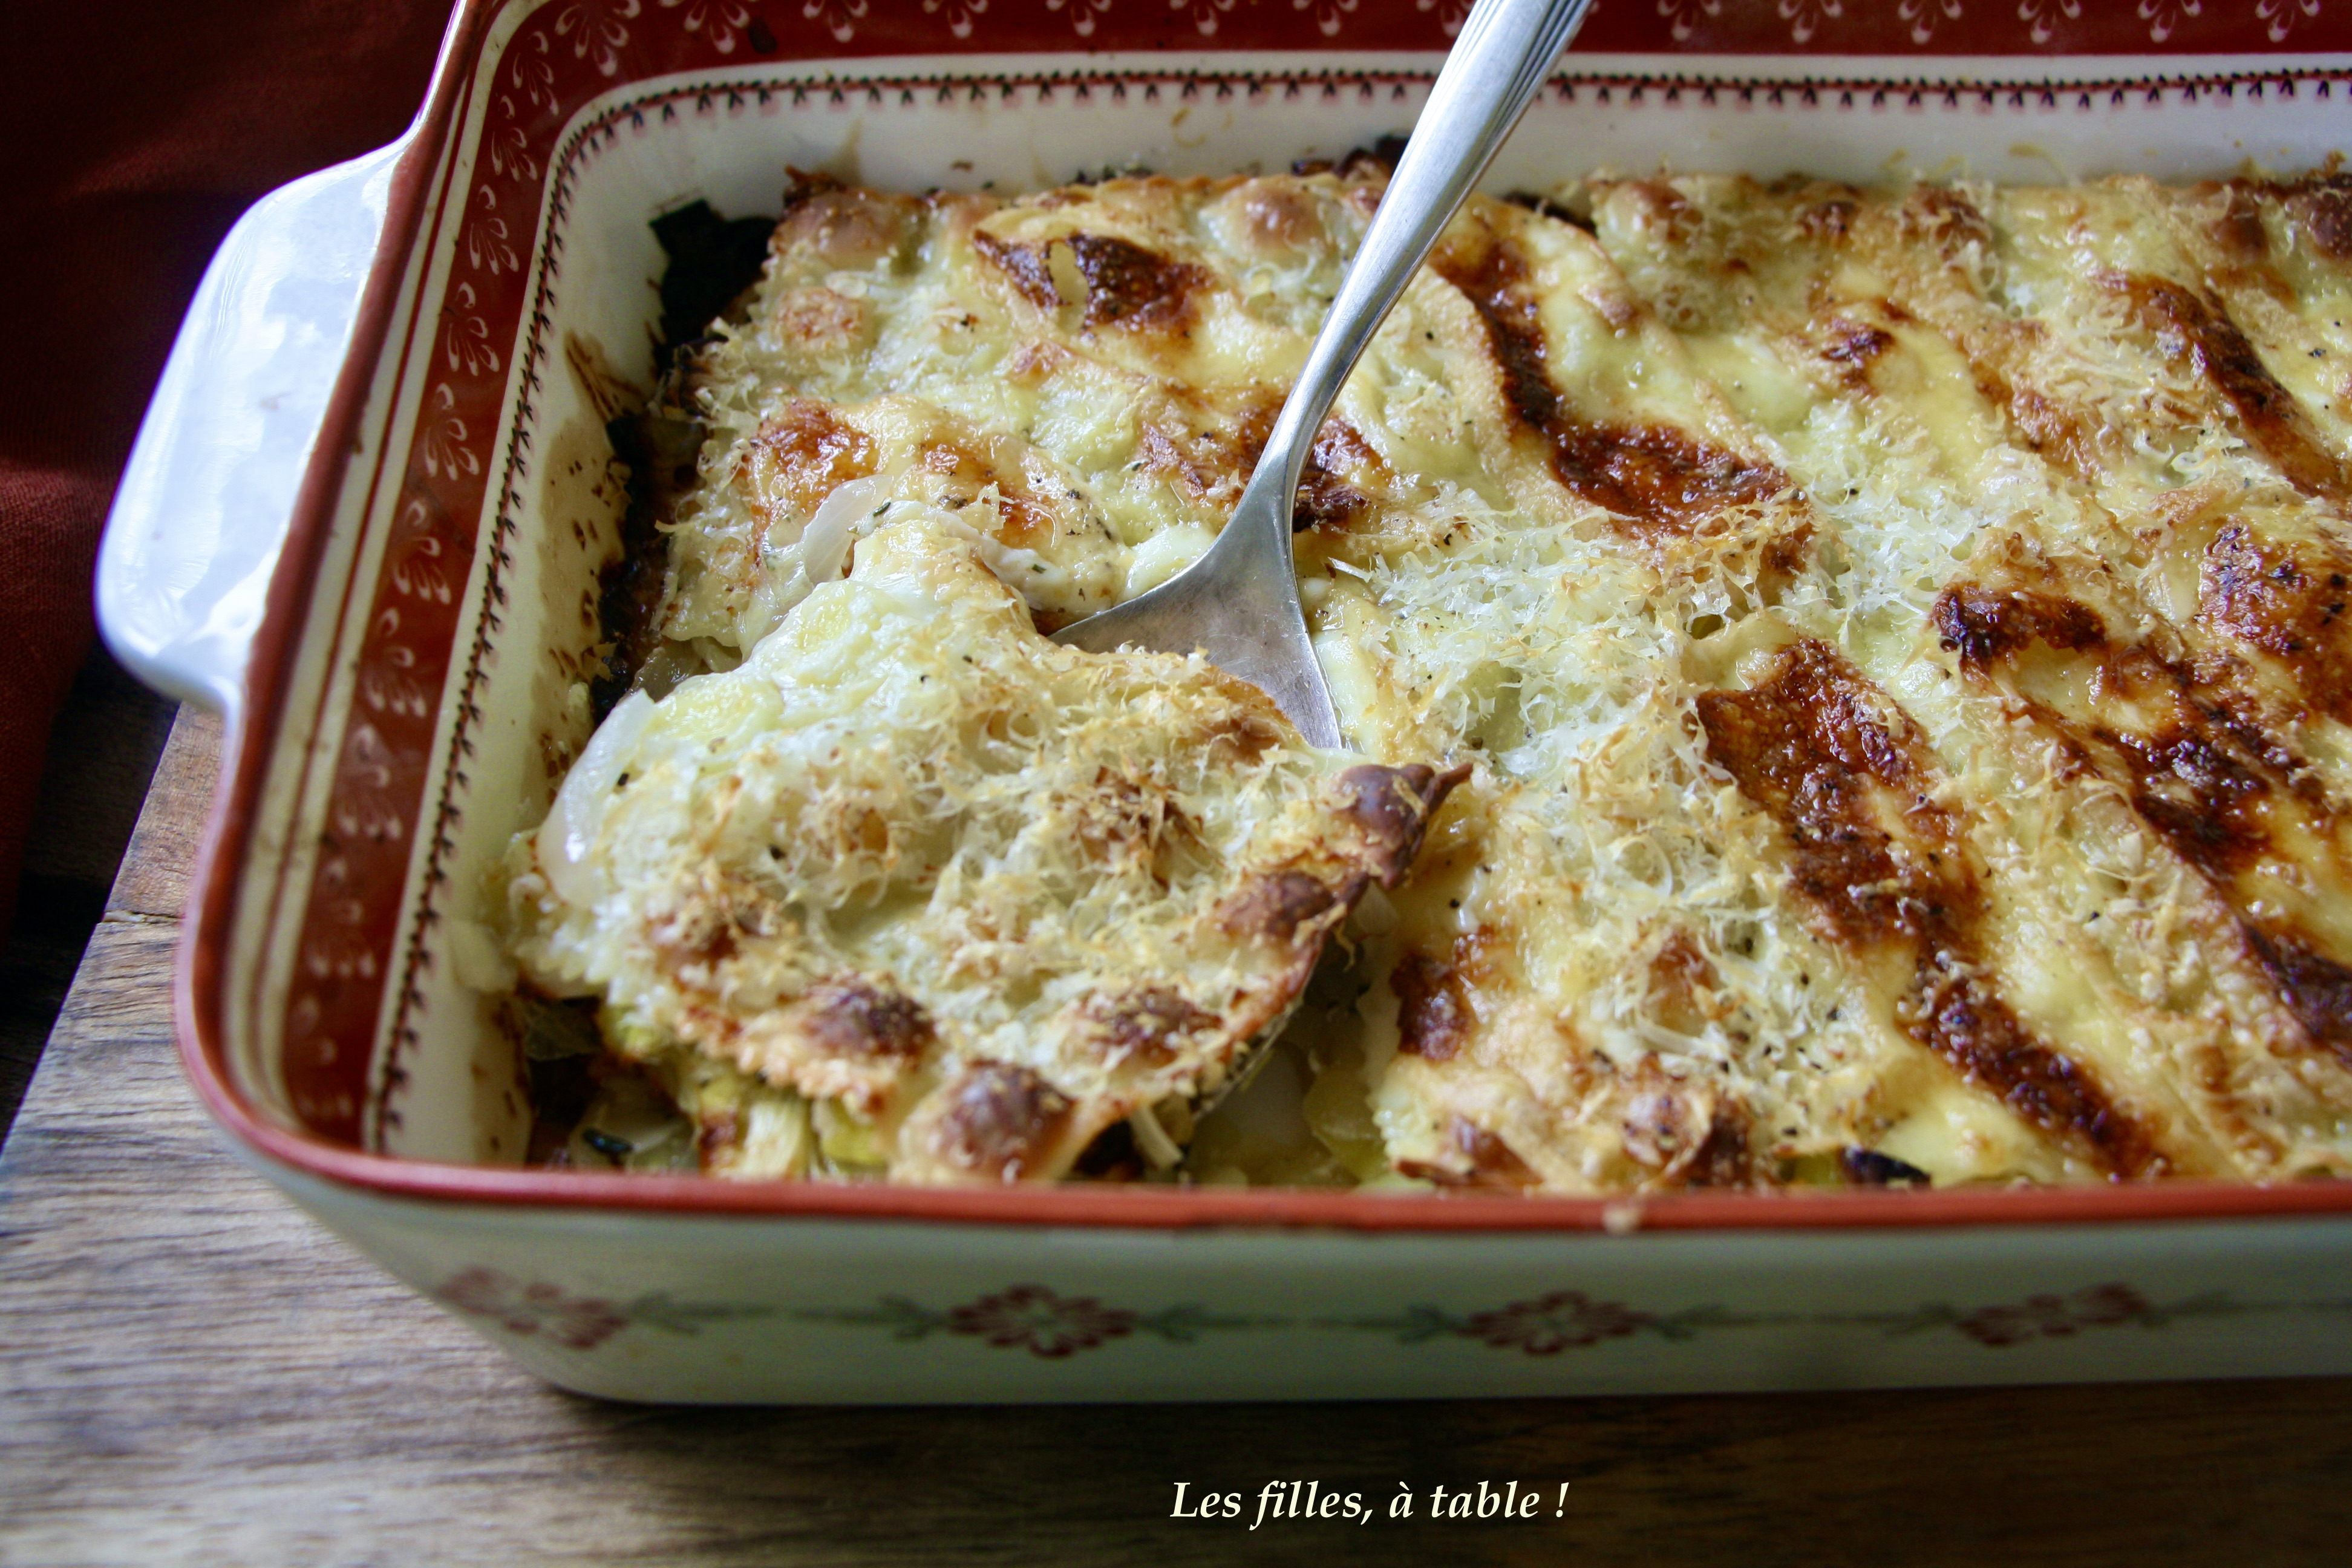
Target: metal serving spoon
x=1238 y=603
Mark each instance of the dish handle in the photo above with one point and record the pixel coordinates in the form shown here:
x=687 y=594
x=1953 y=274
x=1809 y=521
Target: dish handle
x=184 y=569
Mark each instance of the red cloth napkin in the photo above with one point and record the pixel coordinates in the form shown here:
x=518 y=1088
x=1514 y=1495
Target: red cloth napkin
x=130 y=137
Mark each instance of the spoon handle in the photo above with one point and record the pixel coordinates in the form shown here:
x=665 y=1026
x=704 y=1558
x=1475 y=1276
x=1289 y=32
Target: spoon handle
x=1505 y=51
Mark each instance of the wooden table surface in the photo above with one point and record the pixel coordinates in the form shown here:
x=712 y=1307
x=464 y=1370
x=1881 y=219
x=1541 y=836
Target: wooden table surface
x=192 y=1372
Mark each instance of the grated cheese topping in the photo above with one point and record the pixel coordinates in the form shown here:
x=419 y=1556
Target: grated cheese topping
x=947 y=898
x=1893 y=642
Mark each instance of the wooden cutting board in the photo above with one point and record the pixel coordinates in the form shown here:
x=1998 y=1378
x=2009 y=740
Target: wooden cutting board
x=192 y=1372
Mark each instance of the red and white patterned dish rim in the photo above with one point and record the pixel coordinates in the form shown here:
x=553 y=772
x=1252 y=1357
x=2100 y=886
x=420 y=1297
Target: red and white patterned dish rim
x=563 y=53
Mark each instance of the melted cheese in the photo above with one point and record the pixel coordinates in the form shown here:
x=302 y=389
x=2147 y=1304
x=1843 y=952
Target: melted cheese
x=1897 y=641
x=963 y=897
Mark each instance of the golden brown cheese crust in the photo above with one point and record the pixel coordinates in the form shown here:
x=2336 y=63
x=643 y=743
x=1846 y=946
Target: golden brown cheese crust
x=2183 y=497
x=915 y=892
x=1899 y=639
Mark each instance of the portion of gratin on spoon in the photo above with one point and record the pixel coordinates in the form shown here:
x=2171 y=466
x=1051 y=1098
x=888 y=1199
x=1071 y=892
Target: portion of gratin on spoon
x=912 y=892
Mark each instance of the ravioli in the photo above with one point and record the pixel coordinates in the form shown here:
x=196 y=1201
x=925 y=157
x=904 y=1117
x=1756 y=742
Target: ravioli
x=1887 y=650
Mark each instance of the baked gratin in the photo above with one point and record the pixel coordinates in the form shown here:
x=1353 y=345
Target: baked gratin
x=1886 y=651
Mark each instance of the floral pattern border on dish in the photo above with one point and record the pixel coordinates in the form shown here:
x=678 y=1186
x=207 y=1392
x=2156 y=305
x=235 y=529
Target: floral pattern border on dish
x=604 y=33
x=562 y=56
x=1055 y=1327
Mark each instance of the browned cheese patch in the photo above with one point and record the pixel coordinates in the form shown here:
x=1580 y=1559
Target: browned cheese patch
x=1205 y=450
x=1844 y=773
x=2202 y=771
x=1203 y=462
x=1811 y=747
x=1673 y=217
x=1434 y=1018
x=705 y=925
x=1285 y=908
x=2045 y=425
x=1326 y=500
x=2327 y=211
x=1853 y=345
x=1133 y=819
x=2185 y=326
x=1654 y=479
x=2197 y=788
x=1025 y=266
x=805 y=452
x=997 y=1121
x=1924 y=245
x=2193 y=780
x=2317 y=988
x=1658 y=475
x=1391 y=809
x=1023 y=521
x=1945 y=221
x=2212 y=798
x=1210 y=453
x=2290 y=604
x=1150 y=1026
x=1035 y=361
x=1984 y=624
x=862 y=1020
x=1121 y=284
x=1138 y=290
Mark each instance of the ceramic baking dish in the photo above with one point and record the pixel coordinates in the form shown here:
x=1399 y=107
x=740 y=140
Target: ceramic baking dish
x=395 y=662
